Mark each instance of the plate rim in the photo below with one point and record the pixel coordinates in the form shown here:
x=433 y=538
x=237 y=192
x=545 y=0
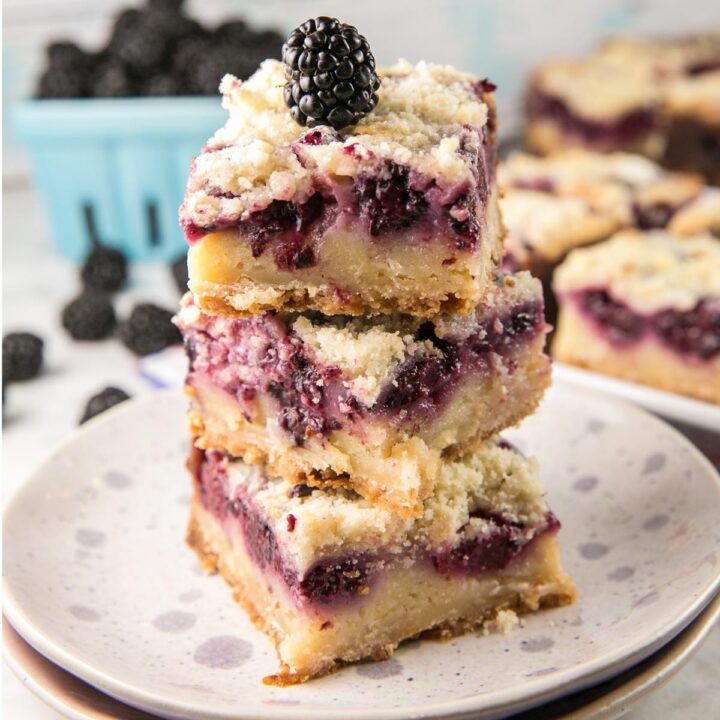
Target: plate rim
x=661 y=668
x=672 y=406
x=535 y=691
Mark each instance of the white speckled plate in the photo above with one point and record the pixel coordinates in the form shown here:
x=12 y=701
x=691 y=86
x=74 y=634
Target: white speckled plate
x=98 y=579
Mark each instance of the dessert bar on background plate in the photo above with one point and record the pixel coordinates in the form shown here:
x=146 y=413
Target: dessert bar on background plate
x=644 y=307
x=575 y=197
x=398 y=214
x=107 y=585
x=370 y=403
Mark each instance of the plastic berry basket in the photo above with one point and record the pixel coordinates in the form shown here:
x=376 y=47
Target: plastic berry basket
x=114 y=170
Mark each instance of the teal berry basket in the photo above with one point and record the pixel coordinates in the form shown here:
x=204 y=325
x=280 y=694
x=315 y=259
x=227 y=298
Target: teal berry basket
x=114 y=170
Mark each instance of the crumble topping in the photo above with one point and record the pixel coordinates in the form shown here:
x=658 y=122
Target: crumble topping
x=700 y=216
x=337 y=521
x=647 y=271
x=549 y=225
x=428 y=118
x=664 y=56
x=696 y=97
x=368 y=357
x=568 y=168
x=596 y=89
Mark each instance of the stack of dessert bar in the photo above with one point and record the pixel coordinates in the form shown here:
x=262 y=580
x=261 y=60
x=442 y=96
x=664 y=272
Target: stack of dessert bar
x=354 y=351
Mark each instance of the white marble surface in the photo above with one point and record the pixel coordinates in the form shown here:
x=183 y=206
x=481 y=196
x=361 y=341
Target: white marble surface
x=41 y=413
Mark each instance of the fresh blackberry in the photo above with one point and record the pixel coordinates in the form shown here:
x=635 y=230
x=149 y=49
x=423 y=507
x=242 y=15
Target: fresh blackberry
x=188 y=52
x=179 y=271
x=217 y=60
x=61 y=83
x=169 y=6
x=66 y=55
x=103 y=401
x=141 y=49
x=161 y=84
x=22 y=356
x=330 y=72
x=105 y=269
x=89 y=317
x=235 y=31
x=149 y=329
x=110 y=79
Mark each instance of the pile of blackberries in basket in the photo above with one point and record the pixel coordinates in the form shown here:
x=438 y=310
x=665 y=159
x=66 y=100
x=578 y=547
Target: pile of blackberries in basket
x=157 y=50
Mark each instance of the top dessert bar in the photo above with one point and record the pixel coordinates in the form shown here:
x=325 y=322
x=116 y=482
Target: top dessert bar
x=397 y=213
x=615 y=98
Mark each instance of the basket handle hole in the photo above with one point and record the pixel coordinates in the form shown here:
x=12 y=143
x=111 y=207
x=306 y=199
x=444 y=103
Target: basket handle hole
x=153 y=223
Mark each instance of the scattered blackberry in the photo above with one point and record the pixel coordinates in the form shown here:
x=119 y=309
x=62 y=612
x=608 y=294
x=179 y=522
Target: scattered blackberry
x=331 y=74
x=149 y=329
x=89 y=317
x=105 y=269
x=103 y=401
x=179 y=271
x=22 y=356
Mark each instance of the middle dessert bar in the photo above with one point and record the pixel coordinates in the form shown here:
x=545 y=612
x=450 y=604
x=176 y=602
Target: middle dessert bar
x=366 y=402
x=397 y=214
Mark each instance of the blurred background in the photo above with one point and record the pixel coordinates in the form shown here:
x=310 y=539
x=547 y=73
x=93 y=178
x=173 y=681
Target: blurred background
x=500 y=39
x=78 y=172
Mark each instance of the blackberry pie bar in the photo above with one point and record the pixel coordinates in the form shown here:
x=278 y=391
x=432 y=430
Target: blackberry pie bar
x=644 y=307
x=372 y=402
x=396 y=213
x=333 y=578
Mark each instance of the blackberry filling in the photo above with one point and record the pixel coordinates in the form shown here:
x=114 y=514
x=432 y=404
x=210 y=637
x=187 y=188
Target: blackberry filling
x=423 y=382
x=619 y=322
x=653 y=216
x=386 y=202
x=343 y=578
x=695 y=333
x=624 y=130
x=312 y=398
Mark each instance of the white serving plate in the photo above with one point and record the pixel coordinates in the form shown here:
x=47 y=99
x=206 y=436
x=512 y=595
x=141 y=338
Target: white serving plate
x=671 y=406
x=77 y=700
x=98 y=580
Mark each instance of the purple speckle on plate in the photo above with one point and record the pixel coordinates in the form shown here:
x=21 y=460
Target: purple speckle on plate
x=86 y=614
x=90 y=538
x=223 y=652
x=174 y=621
x=593 y=550
x=654 y=462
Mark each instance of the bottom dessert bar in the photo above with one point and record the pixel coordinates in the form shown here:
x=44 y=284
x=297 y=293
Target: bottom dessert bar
x=334 y=579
